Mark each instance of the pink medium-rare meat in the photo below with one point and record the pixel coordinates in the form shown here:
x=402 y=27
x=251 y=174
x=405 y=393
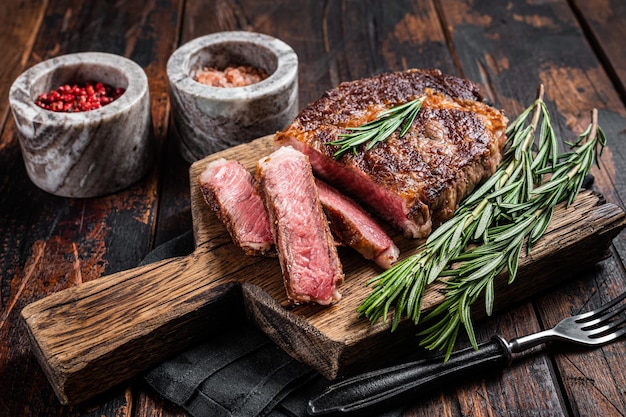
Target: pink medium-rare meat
x=229 y=189
x=417 y=181
x=353 y=226
x=308 y=257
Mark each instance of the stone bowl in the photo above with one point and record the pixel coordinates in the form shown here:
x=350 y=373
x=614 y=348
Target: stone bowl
x=208 y=119
x=89 y=153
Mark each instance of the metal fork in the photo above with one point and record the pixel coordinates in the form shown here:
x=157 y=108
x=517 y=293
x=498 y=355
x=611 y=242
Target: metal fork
x=594 y=328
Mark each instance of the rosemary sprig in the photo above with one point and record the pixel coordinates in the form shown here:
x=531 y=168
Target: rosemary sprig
x=476 y=269
x=512 y=209
x=379 y=129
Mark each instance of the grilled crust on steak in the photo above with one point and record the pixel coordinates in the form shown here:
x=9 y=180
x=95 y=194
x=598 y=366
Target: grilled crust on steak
x=417 y=181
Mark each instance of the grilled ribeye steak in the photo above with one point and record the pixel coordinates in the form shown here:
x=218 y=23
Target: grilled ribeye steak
x=306 y=249
x=354 y=227
x=416 y=181
x=229 y=189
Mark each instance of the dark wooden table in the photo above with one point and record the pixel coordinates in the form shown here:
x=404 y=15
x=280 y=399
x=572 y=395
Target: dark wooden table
x=574 y=47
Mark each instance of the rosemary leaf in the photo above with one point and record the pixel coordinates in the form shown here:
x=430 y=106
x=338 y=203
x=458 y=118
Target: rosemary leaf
x=379 y=129
x=490 y=295
x=483 y=222
x=540 y=226
x=513 y=263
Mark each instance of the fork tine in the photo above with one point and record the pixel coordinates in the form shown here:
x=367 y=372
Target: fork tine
x=602 y=319
x=591 y=315
x=598 y=332
x=609 y=337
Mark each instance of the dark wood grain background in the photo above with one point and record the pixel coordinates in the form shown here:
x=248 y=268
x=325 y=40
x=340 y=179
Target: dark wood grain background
x=574 y=47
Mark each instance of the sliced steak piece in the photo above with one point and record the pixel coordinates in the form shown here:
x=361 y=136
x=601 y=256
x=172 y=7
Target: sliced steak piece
x=417 y=181
x=229 y=189
x=308 y=257
x=354 y=227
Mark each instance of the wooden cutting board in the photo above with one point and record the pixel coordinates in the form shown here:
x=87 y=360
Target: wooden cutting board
x=93 y=336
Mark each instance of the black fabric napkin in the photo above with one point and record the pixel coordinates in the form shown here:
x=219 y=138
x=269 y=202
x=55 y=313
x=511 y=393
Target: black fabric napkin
x=241 y=373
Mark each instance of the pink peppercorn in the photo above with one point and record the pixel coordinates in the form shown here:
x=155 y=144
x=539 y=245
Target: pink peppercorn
x=74 y=98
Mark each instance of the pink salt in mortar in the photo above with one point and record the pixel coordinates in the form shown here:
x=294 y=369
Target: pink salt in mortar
x=208 y=119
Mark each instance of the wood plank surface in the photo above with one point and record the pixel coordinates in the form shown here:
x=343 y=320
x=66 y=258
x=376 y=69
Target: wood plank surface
x=606 y=30
x=52 y=243
x=21 y=29
x=49 y=244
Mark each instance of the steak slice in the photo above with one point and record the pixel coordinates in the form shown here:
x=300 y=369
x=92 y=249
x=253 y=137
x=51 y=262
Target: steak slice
x=416 y=182
x=308 y=257
x=354 y=227
x=229 y=189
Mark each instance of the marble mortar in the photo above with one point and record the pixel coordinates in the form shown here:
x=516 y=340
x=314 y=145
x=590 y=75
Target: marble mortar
x=209 y=119
x=90 y=153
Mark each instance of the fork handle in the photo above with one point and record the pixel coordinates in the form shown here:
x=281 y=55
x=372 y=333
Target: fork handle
x=375 y=387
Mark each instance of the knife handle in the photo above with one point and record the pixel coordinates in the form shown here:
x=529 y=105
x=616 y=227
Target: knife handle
x=375 y=387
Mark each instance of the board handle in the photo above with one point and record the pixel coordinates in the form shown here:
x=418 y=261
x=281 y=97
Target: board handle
x=93 y=336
